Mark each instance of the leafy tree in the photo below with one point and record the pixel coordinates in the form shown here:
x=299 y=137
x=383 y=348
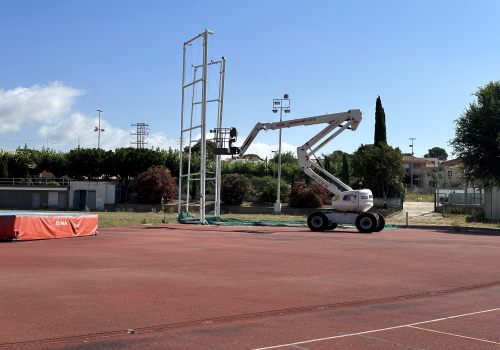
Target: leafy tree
x=345 y=170
x=380 y=169
x=153 y=184
x=171 y=160
x=22 y=162
x=287 y=157
x=270 y=192
x=291 y=172
x=437 y=152
x=142 y=159
x=4 y=165
x=477 y=137
x=234 y=188
x=249 y=169
x=86 y=162
x=380 y=132
x=52 y=161
x=196 y=149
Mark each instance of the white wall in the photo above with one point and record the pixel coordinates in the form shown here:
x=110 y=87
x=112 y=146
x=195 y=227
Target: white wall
x=109 y=197
x=105 y=192
x=53 y=199
x=492 y=203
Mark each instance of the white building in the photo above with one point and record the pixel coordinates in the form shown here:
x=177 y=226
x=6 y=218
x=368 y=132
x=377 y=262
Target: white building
x=91 y=194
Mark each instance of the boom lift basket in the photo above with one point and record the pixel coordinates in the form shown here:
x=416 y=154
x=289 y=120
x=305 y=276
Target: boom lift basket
x=224 y=139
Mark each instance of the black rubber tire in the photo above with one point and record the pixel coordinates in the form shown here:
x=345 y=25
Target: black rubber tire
x=366 y=222
x=381 y=223
x=332 y=226
x=317 y=221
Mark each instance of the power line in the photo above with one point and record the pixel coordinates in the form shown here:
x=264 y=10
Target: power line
x=52 y=143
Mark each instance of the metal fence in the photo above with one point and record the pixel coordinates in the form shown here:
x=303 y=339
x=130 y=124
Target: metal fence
x=473 y=196
x=33 y=182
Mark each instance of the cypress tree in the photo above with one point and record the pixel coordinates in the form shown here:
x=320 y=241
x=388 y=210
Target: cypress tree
x=380 y=134
x=345 y=170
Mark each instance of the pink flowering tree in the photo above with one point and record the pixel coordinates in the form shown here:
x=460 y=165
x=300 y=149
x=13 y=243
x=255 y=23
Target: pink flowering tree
x=304 y=196
x=153 y=184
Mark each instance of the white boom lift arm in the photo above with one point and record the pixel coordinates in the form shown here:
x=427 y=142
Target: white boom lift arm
x=351 y=205
x=352 y=118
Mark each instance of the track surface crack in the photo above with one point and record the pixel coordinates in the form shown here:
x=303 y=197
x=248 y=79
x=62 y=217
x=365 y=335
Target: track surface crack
x=247 y=316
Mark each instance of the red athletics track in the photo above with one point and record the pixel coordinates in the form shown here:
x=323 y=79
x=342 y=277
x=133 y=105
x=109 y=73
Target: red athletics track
x=205 y=287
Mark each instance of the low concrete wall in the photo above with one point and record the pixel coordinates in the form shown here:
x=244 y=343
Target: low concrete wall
x=146 y=208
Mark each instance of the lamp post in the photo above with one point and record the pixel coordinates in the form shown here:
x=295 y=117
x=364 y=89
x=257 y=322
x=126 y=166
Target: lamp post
x=98 y=129
x=411 y=170
x=282 y=104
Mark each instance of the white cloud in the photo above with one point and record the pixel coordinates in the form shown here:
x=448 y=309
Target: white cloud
x=36 y=104
x=66 y=133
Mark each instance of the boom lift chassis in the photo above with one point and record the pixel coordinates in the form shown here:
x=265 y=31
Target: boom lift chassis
x=350 y=206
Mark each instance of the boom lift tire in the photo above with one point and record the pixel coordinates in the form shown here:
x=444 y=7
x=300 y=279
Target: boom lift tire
x=333 y=226
x=366 y=222
x=317 y=221
x=381 y=223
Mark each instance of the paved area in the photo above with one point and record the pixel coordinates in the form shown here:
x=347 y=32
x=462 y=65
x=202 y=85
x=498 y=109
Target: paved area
x=206 y=287
x=417 y=210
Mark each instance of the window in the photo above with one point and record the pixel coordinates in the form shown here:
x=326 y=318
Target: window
x=347 y=197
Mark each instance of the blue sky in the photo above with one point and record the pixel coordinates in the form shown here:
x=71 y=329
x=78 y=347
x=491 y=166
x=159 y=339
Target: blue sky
x=62 y=60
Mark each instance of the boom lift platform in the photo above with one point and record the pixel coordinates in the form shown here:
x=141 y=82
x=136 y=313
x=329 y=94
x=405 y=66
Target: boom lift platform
x=349 y=206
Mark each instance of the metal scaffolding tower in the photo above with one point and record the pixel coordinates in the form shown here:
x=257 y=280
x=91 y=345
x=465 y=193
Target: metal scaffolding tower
x=187 y=132
x=141 y=133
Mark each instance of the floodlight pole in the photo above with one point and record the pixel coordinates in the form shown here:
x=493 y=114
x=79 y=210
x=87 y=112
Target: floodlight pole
x=99 y=130
x=276 y=103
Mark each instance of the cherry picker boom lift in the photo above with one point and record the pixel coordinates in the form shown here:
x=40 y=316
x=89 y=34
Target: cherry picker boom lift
x=349 y=206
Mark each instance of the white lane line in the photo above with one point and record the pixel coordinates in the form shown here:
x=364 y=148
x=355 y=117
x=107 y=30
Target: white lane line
x=375 y=330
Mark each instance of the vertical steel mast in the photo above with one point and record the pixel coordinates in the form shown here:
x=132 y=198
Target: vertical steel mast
x=201 y=175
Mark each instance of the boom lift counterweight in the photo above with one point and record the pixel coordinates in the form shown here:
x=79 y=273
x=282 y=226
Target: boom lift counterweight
x=351 y=206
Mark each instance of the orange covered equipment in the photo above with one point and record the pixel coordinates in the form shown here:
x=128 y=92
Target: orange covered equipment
x=34 y=225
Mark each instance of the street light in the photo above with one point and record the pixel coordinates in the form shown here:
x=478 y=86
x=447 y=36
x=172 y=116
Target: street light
x=411 y=171
x=282 y=104
x=98 y=129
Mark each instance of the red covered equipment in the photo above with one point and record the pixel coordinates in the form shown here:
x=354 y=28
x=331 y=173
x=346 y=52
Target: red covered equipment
x=36 y=225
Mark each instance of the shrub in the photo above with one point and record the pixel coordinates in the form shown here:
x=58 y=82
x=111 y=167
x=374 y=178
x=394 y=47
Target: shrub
x=53 y=183
x=234 y=188
x=193 y=190
x=270 y=192
x=304 y=196
x=153 y=184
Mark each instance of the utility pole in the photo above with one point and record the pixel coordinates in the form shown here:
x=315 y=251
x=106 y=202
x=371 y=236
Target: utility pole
x=411 y=171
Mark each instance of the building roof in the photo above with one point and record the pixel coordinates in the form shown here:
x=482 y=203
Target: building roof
x=452 y=162
x=7 y=150
x=429 y=162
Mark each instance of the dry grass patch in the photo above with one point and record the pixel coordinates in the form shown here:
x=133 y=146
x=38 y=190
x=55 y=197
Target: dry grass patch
x=112 y=219
x=412 y=197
